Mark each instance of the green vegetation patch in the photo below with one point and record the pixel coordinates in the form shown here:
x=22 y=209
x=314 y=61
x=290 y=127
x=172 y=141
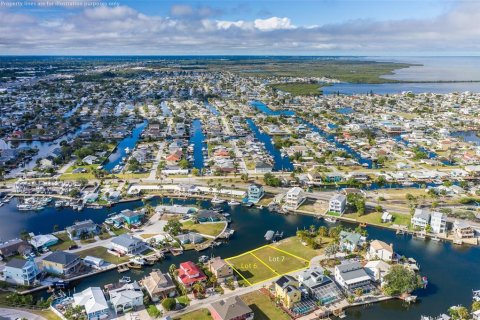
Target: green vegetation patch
x=299 y=88
x=210 y=229
x=279 y=260
x=101 y=252
x=251 y=269
x=263 y=307
x=202 y=314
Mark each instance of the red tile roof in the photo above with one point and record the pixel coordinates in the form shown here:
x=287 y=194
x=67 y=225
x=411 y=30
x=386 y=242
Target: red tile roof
x=190 y=273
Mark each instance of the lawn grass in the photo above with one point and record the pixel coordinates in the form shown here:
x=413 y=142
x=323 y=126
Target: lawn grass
x=101 y=252
x=251 y=269
x=280 y=261
x=202 y=314
x=210 y=229
x=119 y=231
x=294 y=246
x=47 y=314
x=64 y=242
x=376 y=218
x=263 y=308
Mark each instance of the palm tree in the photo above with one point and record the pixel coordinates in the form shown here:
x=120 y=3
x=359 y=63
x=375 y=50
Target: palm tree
x=198 y=287
x=172 y=269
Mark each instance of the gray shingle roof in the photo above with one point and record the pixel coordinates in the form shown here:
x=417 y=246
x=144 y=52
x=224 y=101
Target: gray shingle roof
x=61 y=257
x=231 y=308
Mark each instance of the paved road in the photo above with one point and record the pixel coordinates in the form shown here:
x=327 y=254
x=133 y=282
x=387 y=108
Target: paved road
x=158 y=158
x=17 y=313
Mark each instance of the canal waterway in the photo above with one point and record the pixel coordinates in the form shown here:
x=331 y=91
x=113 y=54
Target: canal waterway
x=452 y=271
x=280 y=163
x=129 y=142
x=165 y=109
x=468 y=136
x=198 y=140
x=212 y=109
x=45 y=149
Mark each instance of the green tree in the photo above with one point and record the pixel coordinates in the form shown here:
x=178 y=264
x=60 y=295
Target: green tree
x=400 y=280
x=169 y=303
x=173 y=227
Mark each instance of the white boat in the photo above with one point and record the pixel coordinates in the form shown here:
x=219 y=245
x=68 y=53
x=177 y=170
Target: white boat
x=330 y=219
x=233 y=203
x=138 y=260
x=203 y=259
x=127 y=150
x=476 y=295
x=125 y=279
x=25 y=207
x=260 y=207
x=217 y=200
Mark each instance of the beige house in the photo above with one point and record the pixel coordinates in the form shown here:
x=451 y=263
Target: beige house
x=380 y=250
x=220 y=268
x=158 y=285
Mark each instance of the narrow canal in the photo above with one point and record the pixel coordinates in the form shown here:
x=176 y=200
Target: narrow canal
x=129 y=142
x=452 y=271
x=212 y=109
x=280 y=163
x=198 y=140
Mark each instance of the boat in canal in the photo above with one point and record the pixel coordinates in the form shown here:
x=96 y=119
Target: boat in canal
x=125 y=279
x=233 y=203
x=217 y=200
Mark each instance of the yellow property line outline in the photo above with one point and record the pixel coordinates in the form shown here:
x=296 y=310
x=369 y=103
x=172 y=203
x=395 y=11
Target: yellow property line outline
x=266 y=265
x=277 y=274
x=286 y=252
x=238 y=272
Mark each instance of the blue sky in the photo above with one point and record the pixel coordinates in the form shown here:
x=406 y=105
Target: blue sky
x=318 y=27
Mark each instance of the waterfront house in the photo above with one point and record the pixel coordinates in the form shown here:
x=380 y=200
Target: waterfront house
x=462 y=230
x=90 y=160
x=420 y=219
x=93 y=262
x=159 y=285
x=380 y=250
x=189 y=274
x=220 y=269
x=132 y=217
x=377 y=269
x=21 y=272
x=319 y=287
x=438 y=222
x=255 y=192
x=82 y=228
x=337 y=204
x=43 y=241
x=286 y=289
x=351 y=275
x=232 y=308
x=127 y=244
x=94 y=302
x=61 y=263
x=386 y=217
x=262 y=167
x=351 y=241
x=174 y=157
x=126 y=298
x=191 y=237
x=203 y=216
x=294 y=198
x=13 y=247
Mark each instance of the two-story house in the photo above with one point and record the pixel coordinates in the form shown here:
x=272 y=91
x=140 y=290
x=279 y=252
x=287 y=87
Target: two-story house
x=21 y=272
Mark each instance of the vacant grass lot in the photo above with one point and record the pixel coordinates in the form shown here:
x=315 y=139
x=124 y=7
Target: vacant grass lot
x=251 y=269
x=64 y=242
x=263 y=308
x=294 y=246
x=376 y=218
x=281 y=262
x=202 y=314
x=210 y=229
x=101 y=252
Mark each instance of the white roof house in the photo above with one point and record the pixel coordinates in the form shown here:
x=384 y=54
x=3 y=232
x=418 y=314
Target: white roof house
x=43 y=240
x=126 y=297
x=94 y=302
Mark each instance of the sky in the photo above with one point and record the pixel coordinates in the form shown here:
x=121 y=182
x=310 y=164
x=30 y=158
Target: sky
x=230 y=27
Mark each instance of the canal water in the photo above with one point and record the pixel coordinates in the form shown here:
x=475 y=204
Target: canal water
x=212 y=109
x=198 y=140
x=280 y=163
x=45 y=149
x=468 y=136
x=165 y=109
x=130 y=142
x=269 y=112
x=452 y=271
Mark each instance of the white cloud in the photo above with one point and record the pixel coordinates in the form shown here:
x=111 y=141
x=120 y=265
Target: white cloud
x=123 y=30
x=273 y=23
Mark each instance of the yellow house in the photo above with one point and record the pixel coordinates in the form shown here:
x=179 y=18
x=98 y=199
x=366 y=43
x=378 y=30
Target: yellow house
x=286 y=289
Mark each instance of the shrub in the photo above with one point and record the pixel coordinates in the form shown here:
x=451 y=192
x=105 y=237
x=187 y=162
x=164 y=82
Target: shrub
x=169 y=303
